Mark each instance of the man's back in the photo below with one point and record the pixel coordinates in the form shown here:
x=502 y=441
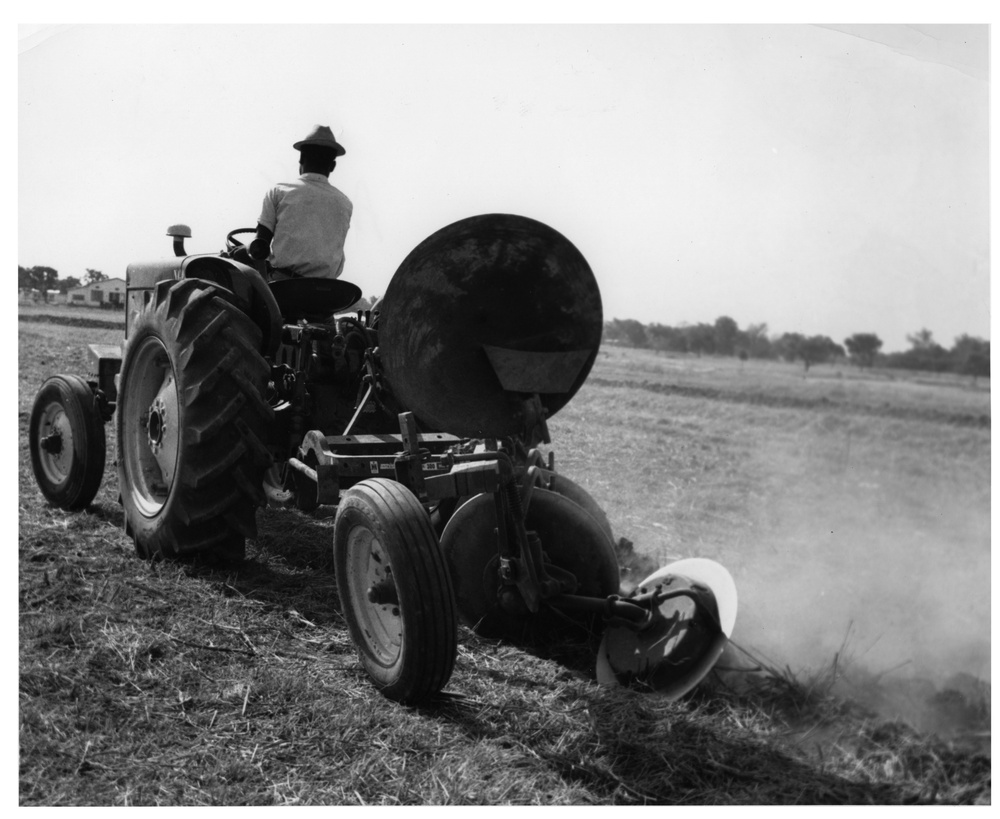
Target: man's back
x=309 y=219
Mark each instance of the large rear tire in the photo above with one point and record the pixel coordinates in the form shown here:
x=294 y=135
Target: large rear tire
x=395 y=590
x=191 y=423
x=67 y=443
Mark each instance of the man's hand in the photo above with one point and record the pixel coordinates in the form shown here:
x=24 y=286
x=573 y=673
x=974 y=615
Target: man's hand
x=260 y=249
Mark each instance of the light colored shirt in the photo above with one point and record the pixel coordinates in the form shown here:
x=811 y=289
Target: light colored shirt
x=309 y=219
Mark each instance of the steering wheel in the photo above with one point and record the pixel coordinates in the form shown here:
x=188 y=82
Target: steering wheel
x=232 y=242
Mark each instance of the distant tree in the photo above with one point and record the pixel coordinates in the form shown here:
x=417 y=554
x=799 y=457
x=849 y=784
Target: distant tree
x=726 y=333
x=818 y=350
x=966 y=344
x=700 y=338
x=863 y=347
x=924 y=354
x=39 y=278
x=971 y=356
x=922 y=340
x=755 y=341
x=655 y=337
x=629 y=332
x=663 y=338
x=789 y=346
x=68 y=283
x=977 y=365
x=94 y=276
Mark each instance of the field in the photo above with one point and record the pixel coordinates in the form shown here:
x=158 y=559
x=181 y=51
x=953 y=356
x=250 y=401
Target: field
x=852 y=508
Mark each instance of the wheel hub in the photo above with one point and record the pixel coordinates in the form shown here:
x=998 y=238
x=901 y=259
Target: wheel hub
x=371 y=576
x=52 y=444
x=151 y=436
x=383 y=592
x=56 y=441
x=157 y=424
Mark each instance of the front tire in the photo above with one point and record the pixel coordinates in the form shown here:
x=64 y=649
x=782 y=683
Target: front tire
x=395 y=590
x=191 y=423
x=67 y=443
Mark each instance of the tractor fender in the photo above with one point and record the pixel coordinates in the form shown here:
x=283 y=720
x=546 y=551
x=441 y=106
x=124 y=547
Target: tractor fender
x=242 y=285
x=252 y=295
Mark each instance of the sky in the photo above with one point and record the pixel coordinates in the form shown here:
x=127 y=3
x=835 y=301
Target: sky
x=819 y=179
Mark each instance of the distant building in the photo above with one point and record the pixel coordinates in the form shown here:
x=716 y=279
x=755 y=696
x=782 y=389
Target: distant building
x=29 y=295
x=106 y=293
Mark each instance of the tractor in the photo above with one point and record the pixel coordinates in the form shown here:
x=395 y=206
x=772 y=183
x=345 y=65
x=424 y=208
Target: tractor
x=421 y=420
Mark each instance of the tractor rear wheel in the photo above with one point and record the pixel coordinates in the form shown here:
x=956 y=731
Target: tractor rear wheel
x=67 y=443
x=395 y=590
x=190 y=421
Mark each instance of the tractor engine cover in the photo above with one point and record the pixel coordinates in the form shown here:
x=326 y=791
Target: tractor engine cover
x=484 y=315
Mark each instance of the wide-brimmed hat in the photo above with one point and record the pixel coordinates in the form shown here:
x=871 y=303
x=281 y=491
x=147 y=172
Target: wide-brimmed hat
x=321 y=136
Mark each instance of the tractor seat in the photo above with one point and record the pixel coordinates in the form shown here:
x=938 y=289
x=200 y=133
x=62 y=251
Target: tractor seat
x=313 y=299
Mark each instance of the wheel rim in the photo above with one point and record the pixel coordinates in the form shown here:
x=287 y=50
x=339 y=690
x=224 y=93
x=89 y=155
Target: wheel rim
x=151 y=415
x=55 y=443
x=372 y=596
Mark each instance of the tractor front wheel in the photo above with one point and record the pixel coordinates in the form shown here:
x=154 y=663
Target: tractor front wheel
x=191 y=422
x=395 y=590
x=66 y=439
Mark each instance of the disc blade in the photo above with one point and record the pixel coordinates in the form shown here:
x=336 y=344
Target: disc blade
x=682 y=645
x=484 y=314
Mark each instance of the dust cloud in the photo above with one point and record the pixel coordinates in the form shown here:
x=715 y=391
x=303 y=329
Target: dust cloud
x=888 y=602
x=867 y=569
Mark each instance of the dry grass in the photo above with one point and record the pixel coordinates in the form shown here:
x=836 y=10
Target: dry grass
x=773 y=383
x=827 y=516
x=180 y=684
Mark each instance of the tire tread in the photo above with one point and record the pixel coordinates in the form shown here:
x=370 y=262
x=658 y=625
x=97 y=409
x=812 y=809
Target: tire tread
x=221 y=375
x=426 y=597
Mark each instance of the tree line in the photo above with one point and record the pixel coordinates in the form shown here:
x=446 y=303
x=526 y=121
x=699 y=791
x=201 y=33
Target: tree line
x=968 y=355
x=46 y=279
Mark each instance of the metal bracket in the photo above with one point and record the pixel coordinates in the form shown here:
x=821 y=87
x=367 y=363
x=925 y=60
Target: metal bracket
x=408 y=462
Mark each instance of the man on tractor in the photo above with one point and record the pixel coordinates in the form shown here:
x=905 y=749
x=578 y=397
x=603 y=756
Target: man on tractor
x=303 y=224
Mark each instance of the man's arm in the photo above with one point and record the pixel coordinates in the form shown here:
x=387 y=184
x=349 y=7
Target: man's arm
x=260 y=248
